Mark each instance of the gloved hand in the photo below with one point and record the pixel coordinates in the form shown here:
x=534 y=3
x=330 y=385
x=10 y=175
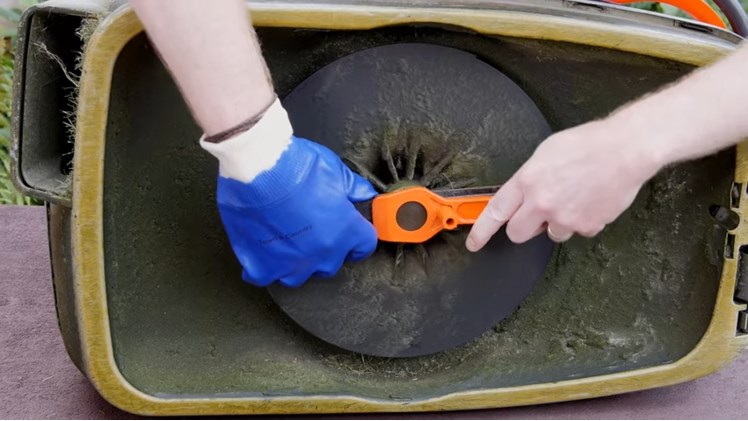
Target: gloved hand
x=287 y=204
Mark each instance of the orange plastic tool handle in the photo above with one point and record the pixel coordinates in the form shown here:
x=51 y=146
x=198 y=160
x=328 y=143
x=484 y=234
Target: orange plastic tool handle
x=415 y=214
x=699 y=9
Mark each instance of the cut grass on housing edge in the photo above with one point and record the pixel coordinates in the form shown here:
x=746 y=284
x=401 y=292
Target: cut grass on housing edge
x=9 y=17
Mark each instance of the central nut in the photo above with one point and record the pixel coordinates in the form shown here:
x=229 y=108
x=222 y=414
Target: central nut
x=411 y=216
x=403 y=162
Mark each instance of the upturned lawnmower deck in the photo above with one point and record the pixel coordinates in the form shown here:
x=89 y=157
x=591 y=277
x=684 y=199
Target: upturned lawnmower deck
x=148 y=292
x=427 y=115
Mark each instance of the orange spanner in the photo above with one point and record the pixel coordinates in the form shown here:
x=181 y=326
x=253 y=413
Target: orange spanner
x=415 y=214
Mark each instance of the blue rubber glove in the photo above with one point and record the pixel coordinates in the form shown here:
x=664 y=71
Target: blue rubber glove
x=287 y=204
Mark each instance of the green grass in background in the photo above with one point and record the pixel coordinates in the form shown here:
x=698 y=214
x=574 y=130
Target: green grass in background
x=9 y=17
x=8 y=193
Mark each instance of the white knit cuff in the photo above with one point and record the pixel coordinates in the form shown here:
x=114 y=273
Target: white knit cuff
x=246 y=155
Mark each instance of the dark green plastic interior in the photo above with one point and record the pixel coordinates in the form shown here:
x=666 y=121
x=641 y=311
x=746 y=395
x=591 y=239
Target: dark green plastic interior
x=183 y=323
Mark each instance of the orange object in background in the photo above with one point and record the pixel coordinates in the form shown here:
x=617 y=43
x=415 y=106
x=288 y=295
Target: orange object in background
x=698 y=9
x=415 y=214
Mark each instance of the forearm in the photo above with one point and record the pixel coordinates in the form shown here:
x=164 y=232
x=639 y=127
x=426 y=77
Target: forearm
x=695 y=117
x=212 y=52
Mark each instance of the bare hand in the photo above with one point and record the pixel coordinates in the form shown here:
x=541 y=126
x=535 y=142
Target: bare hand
x=576 y=182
